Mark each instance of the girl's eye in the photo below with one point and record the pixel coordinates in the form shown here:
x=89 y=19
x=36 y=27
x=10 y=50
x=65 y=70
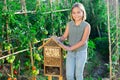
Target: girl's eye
x=73 y=12
x=78 y=12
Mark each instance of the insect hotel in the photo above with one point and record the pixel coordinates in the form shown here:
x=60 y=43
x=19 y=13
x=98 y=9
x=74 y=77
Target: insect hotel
x=53 y=59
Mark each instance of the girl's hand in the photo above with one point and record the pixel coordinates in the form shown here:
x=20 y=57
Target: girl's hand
x=67 y=48
x=59 y=38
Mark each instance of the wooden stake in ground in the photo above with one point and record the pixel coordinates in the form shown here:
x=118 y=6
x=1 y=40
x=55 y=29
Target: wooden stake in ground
x=7 y=36
x=117 y=29
x=117 y=35
x=30 y=43
x=110 y=60
x=37 y=5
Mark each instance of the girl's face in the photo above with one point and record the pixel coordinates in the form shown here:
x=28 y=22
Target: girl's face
x=77 y=14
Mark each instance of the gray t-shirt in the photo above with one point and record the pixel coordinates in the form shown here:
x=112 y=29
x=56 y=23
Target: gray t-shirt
x=76 y=34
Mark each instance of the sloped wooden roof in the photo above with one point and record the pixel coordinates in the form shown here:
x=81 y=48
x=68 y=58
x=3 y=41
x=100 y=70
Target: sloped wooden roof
x=52 y=39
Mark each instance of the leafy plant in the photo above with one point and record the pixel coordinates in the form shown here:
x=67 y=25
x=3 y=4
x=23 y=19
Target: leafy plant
x=1 y=61
x=89 y=78
x=45 y=22
x=102 y=47
x=0 y=74
x=91 y=49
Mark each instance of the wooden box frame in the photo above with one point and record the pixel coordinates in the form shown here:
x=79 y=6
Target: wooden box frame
x=54 y=54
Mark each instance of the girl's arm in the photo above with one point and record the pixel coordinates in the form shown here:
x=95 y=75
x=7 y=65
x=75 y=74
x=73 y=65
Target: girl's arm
x=82 y=42
x=65 y=35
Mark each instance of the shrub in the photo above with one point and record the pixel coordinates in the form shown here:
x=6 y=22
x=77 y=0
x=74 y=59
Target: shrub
x=91 y=49
x=102 y=46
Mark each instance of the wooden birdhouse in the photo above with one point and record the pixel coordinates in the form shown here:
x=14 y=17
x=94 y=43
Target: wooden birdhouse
x=53 y=58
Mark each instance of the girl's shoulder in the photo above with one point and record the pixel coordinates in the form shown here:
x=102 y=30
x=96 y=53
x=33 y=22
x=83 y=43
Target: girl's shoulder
x=70 y=23
x=85 y=22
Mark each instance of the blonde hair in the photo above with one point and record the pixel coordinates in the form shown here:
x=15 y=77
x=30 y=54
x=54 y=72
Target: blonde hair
x=79 y=5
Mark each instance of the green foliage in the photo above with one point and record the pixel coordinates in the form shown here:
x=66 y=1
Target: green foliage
x=0 y=74
x=40 y=25
x=91 y=49
x=102 y=46
x=1 y=6
x=92 y=64
x=97 y=17
x=7 y=46
x=42 y=77
x=2 y=61
x=89 y=78
x=13 y=5
x=114 y=58
x=31 y=4
x=16 y=64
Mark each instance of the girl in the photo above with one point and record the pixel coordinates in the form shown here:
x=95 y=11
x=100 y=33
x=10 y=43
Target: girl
x=78 y=31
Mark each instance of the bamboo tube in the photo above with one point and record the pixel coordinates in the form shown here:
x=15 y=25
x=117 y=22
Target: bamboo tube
x=23 y=12
x=30 y=43
x=5 y=5
x=110 y=60
x=117 y=24
x=66 y=2
x=71 y=2
x=14 y=53
x=23 y=5
x=33 y=12
x=31 y=54
x=0 y=49
x=117 y=36
x=7 y=37
x=52 y=16
x=16 y=48
x=37 y=5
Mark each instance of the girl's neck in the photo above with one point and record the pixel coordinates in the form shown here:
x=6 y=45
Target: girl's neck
x=78 y=22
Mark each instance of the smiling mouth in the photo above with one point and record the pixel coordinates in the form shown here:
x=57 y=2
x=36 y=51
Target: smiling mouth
x=76 y=17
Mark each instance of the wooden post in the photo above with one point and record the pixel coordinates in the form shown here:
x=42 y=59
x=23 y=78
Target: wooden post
x=60 y=77
x=52 y=16
x=71 y=2
x=117 y=29
x=0 y=49
x=110 y=52
x=7 y=36
x=31 y=54
x=66 y=2
x=117 y=35
x=37 y=5
x=23 y=5
x=49 y=77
